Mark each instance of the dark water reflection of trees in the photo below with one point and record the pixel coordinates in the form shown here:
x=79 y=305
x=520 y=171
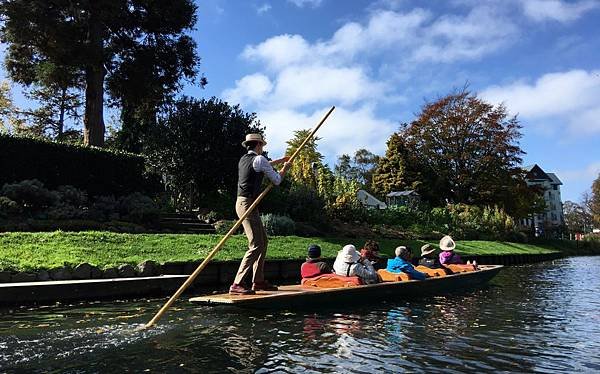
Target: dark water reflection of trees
x=541 y=317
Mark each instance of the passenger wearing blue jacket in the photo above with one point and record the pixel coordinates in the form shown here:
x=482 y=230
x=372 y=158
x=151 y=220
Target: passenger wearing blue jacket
x=401 y=264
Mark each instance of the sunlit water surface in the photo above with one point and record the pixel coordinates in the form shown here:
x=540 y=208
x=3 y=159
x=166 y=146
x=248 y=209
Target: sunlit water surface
x=543 y=317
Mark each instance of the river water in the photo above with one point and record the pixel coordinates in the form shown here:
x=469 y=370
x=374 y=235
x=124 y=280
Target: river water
x=531 y=318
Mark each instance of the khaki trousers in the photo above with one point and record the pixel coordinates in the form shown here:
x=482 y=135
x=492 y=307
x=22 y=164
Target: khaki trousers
x=257 y=243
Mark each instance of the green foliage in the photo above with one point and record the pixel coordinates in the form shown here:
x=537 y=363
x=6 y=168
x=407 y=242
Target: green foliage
x=359 y=168
x=93 y=170
x=594 y=204
x=28 y=251
x=304 y=167
x=9 y=207
x=104 y=208
x=459 y=149
x=223 y=226
x=196 y=149
x=143 y=44
x=30 y=195
x=139 y=208
x=278 y=225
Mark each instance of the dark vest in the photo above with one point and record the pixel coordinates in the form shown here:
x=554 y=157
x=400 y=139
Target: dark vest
x=249 y=181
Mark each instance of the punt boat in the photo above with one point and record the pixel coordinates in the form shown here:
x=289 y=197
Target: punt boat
x=299 y=296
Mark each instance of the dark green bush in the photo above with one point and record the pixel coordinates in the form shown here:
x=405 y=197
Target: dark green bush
x=104 y=208
x=278 y=225
x=94 y=170
x=8 y=207
x=139 y=208
x=30 y=195
x=223 y=226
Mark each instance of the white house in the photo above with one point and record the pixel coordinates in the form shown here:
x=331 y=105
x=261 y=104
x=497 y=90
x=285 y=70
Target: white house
x=550 y=185
x=369 y=200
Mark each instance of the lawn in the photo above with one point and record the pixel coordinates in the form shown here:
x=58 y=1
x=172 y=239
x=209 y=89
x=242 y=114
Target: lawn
x=28 y=251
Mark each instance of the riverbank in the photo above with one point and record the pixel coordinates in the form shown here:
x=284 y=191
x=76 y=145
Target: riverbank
x=37 y=251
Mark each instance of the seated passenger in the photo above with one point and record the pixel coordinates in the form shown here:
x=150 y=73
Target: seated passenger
x=430 y=260
x=448 y=256
x=402 y=264
x=314 y=265
x=348 y=263
x=370 y=252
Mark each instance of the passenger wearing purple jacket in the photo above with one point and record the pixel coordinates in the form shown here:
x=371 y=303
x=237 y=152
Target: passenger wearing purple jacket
x=447 y=256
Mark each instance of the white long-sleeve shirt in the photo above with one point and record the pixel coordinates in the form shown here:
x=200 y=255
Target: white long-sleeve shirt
x=260 y=164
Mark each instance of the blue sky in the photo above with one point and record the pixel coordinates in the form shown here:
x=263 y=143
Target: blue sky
x=377 y=61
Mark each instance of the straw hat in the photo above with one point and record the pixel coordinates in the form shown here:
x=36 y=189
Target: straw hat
x=447 y=244
x=427 y=249
x=254 y=138
x=350 y=255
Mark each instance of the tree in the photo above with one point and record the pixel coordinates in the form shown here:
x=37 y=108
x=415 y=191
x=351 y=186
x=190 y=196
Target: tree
x=304 y=168
x=359 y=168
x=577 y=217
x=98 y=42
x=58 y=103
x=459 y=149
x=196 y=148
x=594 y=202
x=9 y=119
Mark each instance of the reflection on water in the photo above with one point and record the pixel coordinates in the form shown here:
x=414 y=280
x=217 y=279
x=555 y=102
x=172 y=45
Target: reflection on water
x=543 y=317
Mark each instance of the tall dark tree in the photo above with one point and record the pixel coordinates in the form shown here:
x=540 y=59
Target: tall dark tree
x=196 y=148
x=460 y=149
x=100 y=41
x=304 y=169
x=578 y=218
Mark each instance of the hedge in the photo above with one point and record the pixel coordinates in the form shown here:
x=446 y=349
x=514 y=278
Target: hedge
x=95 y=170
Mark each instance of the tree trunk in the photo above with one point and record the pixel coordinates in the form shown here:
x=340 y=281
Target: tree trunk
x=61 y=117
x=93 y=133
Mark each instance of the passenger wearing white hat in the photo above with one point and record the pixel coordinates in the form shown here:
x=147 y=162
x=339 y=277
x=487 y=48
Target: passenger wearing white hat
x=253 y=166
x=348 y=263
x=448 y=256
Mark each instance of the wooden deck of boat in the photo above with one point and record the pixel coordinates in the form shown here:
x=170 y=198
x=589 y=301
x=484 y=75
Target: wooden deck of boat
x=298 y=295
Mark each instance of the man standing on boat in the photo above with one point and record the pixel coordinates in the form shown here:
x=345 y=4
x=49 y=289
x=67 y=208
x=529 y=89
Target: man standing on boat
x=253 y=166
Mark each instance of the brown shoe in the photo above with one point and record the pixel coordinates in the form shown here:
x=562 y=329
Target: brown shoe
x=237 y=289
x=264 y=286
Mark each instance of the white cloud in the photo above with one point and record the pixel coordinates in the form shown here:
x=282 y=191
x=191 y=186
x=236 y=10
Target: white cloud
x=250 y=89
x=279 y=51
x=589 y=172
x=571 y=98
x=557 y=10
x=303 y=3
x=263 y=8
x=344 y=132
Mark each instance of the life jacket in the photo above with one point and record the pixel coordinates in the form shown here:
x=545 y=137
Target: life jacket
x=309 y=270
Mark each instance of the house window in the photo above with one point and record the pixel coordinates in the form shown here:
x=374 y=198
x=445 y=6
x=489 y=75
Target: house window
x=555 y=187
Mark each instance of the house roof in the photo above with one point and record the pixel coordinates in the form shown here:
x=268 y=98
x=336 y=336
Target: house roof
x=554 y=178
x=402 y=193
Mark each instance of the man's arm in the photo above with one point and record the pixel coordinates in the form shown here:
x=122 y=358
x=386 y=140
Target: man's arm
x=261 y=164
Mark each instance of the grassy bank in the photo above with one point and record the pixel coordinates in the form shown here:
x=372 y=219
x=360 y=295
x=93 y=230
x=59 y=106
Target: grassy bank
x=27 y=251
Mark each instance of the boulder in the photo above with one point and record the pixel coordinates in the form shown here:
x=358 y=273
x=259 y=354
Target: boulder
x=24 y=277
x=61 y=274
x=126 y=271
x=110 y=273
x=5 y=276
x=95 y=272
x=43 y=276
x=147 y=268
x=82 y=271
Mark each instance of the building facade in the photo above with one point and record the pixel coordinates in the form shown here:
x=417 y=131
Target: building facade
x=549 y=183
x=369 y=201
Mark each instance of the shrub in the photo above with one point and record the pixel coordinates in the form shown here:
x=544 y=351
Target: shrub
x=65 y=211
x=30 y=195
x=104 y=208
x=8 y=207
x=211 y=217
x=72 y=196
x=139 y=208
x=223 y=226
x=278 y=225
x=94 y=170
